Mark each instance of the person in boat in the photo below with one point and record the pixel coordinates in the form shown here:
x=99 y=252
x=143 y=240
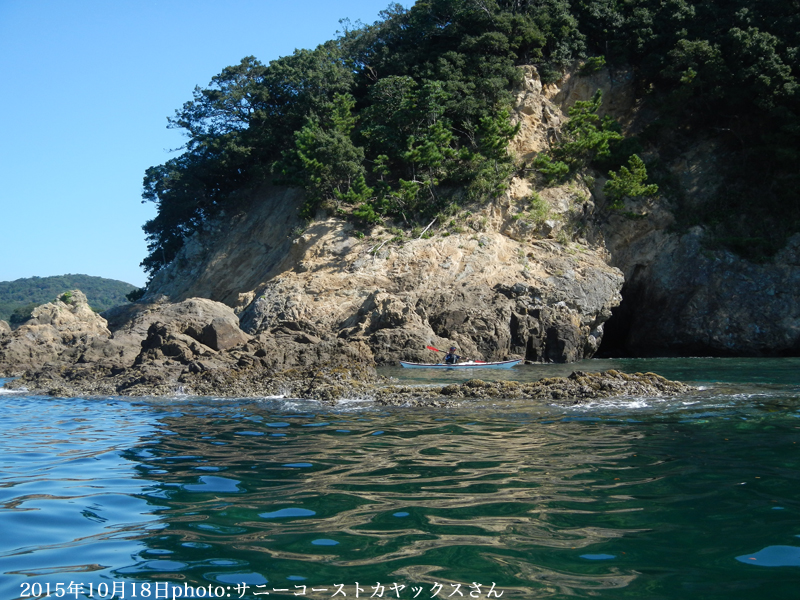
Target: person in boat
x=451 y=357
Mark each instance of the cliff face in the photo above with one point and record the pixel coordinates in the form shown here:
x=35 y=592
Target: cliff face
x=680 y=299
x=498 y=286
x=490 y=295
x=503 y=286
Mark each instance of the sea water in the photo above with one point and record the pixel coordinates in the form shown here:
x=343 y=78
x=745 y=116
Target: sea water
x=696 y=496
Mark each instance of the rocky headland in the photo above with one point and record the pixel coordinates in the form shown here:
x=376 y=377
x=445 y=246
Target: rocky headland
x=195 y=347
x=260 y=303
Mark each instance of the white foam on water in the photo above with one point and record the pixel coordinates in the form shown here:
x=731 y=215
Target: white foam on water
x=8 y=391
x=615 y=403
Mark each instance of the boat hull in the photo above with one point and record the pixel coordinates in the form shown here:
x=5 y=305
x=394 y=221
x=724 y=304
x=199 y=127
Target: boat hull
x=505 y=364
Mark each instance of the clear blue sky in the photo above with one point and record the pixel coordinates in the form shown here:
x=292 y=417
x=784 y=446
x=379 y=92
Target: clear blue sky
x=87 y=89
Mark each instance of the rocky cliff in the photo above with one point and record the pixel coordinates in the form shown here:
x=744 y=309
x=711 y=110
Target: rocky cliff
x=682 y=299
x=491 y=295
x=535 y=274
x=494 y=282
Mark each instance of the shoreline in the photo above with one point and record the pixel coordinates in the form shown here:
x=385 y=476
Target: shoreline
x=330 y=384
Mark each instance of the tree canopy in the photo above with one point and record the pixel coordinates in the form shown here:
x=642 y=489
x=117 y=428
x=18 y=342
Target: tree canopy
x=390 y=118
x=22 y=295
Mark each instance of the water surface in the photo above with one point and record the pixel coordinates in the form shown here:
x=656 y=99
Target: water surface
x=690 y=497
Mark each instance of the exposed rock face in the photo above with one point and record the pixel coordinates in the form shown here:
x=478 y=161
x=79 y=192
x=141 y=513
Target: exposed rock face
x=541 y=109
x=5 y=328
x=61 y=330
x=682 y=299
x=498 y=289
x=491 y=296
x=236 y=253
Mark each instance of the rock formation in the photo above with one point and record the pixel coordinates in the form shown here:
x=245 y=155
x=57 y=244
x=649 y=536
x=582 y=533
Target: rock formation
x=501 y=284
x=260 y=303
x=684 y=298
x=60 y=331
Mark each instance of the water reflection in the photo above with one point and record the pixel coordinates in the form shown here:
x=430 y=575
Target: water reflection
x=332 y=493
x=669 y=499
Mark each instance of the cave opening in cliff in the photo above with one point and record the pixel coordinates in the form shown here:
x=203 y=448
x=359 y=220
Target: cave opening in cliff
x=616 y=331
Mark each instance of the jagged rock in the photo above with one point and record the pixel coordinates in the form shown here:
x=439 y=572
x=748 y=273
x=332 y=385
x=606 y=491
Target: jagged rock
x=58 y=332
x=5 y=328
x=684 y=299
x=223 y=334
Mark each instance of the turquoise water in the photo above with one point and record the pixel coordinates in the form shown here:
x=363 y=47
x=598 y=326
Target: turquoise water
x=691 y=497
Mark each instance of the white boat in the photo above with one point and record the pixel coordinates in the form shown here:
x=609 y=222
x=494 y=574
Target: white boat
x=504 y=364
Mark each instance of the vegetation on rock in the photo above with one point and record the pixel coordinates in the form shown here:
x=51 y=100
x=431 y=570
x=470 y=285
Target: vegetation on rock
x=408 y=116
x=18 y=298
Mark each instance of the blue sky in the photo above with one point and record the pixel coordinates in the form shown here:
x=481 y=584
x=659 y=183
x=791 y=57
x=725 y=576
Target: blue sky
x=87 y=89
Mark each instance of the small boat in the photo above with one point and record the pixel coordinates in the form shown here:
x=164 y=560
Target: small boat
x=504 y=364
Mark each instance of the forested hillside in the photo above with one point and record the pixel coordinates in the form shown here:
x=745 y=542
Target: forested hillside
x=408 y=118
x=19 y=297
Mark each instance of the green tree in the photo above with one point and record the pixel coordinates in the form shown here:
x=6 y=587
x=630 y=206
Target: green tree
x=628 y=182
x=329 y=161
x=584 y=138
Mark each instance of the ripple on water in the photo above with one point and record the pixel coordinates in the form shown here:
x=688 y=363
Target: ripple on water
x=210 y=483
x=238 y=578
x=287 y=512
x=773 y=556
x=515 y=493
x=324 y=542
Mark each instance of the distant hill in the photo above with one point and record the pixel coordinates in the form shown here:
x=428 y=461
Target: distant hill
x=102 y=293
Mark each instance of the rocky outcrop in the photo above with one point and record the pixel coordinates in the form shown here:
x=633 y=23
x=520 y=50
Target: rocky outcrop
x=59 y=331
x=332 y=383
x=491 y=296
x=683 y=299
x=578 y=388
x=237 y=252
x=501 y=285
x=258 y=294
x=5 y=328
x=194 y=346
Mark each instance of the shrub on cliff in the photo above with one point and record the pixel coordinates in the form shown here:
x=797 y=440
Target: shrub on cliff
x=628 y=182
x=414 y=103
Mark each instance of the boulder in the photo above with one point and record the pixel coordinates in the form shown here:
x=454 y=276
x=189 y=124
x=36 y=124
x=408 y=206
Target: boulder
x=58 y=332
x=223 y=334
